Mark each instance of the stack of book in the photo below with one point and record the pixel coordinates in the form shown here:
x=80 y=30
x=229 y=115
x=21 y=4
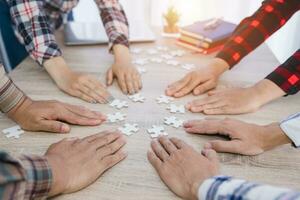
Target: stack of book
x=205 y=36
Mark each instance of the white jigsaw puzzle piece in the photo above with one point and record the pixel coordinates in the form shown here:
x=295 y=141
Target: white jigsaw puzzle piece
x=156 y=60
x=188 y=66
x=137 y=98
x=140 y=61
x=142 y=70
x=116 y=117
x=167 y=56
x=152 y=51
x=13 y=132
x=162 y=48
x=136 y=50
x=129 y=129
x=172 y=62
x=164 y=99
x=117 y=103
x=156 y=131
x=176 y=109
x=178 y=53
x=173 y=121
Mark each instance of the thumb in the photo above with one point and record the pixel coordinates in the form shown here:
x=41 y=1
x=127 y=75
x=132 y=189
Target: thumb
x=109 y=77
x=232 y=146
x=211 y=155
x=54 y=126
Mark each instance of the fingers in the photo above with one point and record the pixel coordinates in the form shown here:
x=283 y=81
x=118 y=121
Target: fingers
x=122 y=84
x=99 y=89
x=82 y=111
x=159 y=151
x=208 y=85
x=180 y=144
x=197 y=105
x=186 y=89
x=167 y=145
x=154 y=160
x=109 y=77
x=211 y=155
x=112 y=160
x=175 y=87
x=112 y=147
x=206 y=127
x=219 y=111
x=71 y=117
x=105 y=139
x=54 y=126
x=129 y=83
x=233 y=146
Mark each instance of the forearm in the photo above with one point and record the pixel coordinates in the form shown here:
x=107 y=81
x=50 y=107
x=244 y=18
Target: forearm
x=25 y=177
x=115 y=22
x=223 y=187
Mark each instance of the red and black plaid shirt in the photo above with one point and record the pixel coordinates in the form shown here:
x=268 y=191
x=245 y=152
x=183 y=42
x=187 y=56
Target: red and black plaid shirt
x=254 y=30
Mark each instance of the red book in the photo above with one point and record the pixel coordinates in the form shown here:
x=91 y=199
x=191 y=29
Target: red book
x=198 y=49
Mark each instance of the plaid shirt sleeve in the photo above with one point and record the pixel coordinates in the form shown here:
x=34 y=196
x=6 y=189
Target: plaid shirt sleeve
x=287 y=75
x=254 y=30
x=223 y=187
x=10 y=94
x=115 y=22
x=34 y=29
x=26 y=177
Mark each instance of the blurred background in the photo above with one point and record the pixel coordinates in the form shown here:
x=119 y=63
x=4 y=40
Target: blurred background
x=283 y=43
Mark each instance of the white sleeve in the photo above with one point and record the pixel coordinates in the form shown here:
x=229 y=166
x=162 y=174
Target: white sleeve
x=291 y=127
x=227 y=188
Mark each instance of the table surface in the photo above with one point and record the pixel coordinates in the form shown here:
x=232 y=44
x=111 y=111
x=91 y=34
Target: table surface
x=135 y=178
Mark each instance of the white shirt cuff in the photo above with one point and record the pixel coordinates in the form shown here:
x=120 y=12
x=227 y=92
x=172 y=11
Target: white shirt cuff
x=291 y=127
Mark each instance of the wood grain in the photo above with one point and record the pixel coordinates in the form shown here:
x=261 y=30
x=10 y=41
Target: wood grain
x=134 y=178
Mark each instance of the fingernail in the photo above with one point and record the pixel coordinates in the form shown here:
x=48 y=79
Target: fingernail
x=65 y=128
x=207 y=146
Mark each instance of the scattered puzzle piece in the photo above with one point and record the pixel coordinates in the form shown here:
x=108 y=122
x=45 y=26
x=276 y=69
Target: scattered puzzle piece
x=13 y=132
x=137 y=98
x=156 y=131
x=129 y=129
x=176 y=109
x=162 y=48
x=140 y=61
x=178 y=53
x=172 y=62
x=142 y=70
x=188 y=66
x=167 y=56
x=156 y=60
x=152 y=51
x=112 y=118
x=173 y=121
x=117 y=103
x=136 y=50
x=164 y=99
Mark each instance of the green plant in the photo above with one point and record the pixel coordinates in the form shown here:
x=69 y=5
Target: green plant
x=172 y=17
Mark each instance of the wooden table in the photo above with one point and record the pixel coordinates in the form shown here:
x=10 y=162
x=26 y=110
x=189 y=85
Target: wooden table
x=134 y=178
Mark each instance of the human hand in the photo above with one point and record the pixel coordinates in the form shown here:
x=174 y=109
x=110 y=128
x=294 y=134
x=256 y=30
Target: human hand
x=199 y=81
x=50 y=116
x=81 y=85
x=180 y=167
x=128 y=77
x=236 y=100
x=77 y=163
x=245 y=138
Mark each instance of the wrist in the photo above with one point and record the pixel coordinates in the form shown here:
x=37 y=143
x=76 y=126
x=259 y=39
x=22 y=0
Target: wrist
x=122 y=53
x=57 y=68
x=18 y=110
x=266 y=91
x=57 y=186
x=273 y=136
x=219 y=66
x=195 y=190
